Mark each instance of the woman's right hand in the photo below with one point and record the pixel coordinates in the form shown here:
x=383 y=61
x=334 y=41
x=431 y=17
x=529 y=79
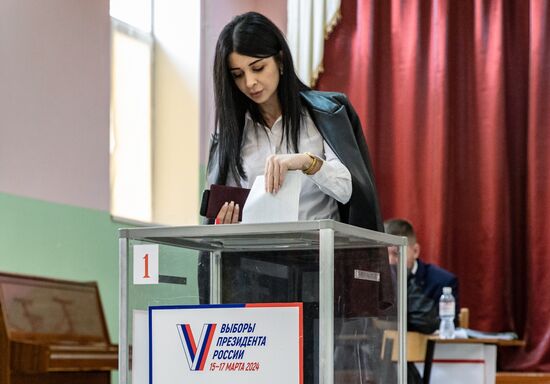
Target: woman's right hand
x=229 y=214
x=277 y=166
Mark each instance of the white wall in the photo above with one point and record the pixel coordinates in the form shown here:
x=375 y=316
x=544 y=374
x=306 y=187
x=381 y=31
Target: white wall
x=54 y=100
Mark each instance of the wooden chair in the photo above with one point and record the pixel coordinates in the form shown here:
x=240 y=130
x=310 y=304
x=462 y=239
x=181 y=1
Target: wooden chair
x=464 y=317
x=419 y=350
x=416 y=346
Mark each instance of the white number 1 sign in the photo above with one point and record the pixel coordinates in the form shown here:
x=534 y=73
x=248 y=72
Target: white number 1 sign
x=146 y=264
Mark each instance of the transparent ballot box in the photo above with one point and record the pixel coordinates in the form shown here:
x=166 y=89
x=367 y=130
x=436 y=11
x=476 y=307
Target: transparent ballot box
x=306 y=302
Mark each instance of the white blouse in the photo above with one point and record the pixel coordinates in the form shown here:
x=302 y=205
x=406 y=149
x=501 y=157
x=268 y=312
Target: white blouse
x=321 y=191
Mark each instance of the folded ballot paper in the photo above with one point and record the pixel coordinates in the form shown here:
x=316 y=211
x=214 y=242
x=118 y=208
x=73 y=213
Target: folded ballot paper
x=264 y=207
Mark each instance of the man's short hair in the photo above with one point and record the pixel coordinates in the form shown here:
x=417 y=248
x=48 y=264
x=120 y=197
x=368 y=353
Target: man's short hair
x=400 y=227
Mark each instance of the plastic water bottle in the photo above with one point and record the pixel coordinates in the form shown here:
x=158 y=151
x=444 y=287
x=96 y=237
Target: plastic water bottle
x=447 y=314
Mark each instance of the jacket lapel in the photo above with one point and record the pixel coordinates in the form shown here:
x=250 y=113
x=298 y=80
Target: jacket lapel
x=420 y=275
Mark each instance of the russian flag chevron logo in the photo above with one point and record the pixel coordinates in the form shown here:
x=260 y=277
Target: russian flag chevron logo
x=196 y=353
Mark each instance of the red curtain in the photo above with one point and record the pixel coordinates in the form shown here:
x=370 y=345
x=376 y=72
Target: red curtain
x=454 y=97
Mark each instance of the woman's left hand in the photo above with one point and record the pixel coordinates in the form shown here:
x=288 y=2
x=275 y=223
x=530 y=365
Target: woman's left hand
x=276 y=167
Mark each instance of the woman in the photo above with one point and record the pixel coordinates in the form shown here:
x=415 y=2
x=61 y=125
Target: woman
x=269 y=122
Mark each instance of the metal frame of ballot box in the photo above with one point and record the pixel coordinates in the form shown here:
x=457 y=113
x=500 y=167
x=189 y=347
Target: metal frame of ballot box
x=321 y=235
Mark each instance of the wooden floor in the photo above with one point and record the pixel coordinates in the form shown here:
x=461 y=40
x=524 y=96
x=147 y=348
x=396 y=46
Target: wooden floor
x=522 y=378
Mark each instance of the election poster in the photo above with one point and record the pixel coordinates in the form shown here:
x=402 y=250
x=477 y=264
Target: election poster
x=244 y=343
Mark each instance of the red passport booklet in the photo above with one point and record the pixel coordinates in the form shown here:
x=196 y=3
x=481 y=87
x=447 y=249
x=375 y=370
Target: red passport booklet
x=214 y=198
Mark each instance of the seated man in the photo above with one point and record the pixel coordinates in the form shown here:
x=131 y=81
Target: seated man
x=430 y=278
x=425 y=284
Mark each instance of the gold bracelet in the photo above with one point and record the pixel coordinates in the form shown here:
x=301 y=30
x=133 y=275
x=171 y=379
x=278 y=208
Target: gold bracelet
x=309 y=170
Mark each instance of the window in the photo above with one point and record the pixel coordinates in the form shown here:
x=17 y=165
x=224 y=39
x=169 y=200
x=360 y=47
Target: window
x=155 y=170
x=132 y=47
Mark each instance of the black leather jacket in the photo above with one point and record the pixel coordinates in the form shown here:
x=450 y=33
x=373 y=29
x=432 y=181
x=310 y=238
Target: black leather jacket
x=339 y=125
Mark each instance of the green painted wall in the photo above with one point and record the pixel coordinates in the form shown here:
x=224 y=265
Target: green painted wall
x=60 y=241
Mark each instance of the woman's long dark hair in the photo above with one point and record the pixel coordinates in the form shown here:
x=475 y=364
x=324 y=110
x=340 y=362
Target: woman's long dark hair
x=250 y=34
